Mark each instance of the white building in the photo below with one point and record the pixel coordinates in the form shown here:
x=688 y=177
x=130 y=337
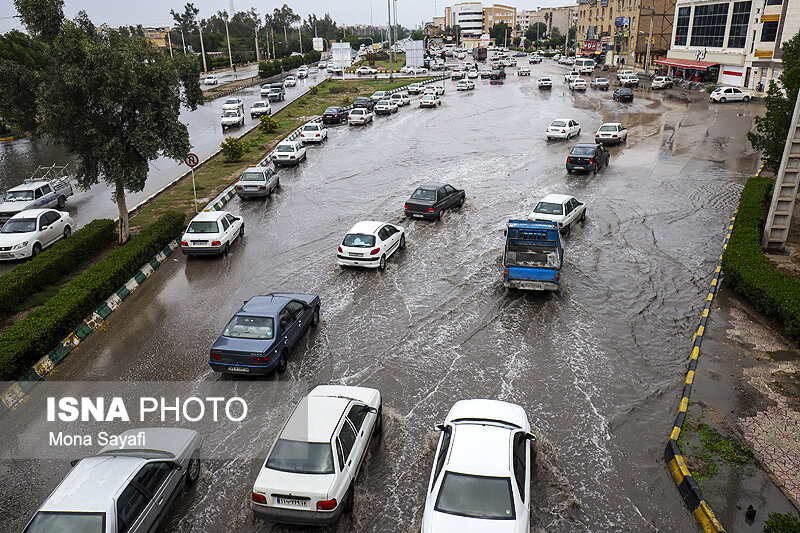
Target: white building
x=468 y=16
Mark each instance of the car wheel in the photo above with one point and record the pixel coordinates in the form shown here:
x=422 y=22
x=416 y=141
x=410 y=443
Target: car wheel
x=347 y=506
x=461 y=202
x=283 y=362
x=61 y=202
x=382 y=264
x=67 y=232
x=569 y=171
x=37 y=249
x=566 y=231
x=227 y=249
x=583 y=215
x=241 y=232
x=193 y=470
x=595 y=169
x=746 y=99
x=315 y=317
x=379 y=422
x=723 y=100
x=403 y=241
x=439 y=215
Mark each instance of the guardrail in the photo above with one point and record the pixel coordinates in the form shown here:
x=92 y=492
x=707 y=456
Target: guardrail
x=256 y=80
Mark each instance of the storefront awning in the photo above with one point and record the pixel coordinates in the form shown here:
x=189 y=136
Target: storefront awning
x=686 y=63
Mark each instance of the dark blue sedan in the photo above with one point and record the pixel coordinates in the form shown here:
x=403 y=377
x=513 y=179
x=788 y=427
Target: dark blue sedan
x=260 y=336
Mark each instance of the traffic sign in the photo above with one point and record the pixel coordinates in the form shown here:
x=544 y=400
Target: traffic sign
x=192 y=160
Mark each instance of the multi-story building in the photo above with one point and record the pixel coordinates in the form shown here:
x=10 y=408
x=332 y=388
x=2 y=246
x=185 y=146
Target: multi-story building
x=560 y=18
x=468 y=16
x=731 y=42
x=497 y=13
x=158 y=35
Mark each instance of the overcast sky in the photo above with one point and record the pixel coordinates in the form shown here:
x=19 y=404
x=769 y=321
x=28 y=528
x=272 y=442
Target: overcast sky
x=156 y=12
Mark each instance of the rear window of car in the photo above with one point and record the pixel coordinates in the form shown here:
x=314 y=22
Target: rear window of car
x=608 y=128
x=558 y=123
x=601 y=80
x=424 y=194
x=311 y=127
x=582 y=150
x=358 y=240
x=249 y=327
x=547 y=208
x=285 y=148
x=203 y=226
x=476 y=496
x=625 y=91
x=301 y=457
x=252 y=176
x=231 y=114
x=231 y=101
x=361 y=100
x=48 y=522
x=332 y=110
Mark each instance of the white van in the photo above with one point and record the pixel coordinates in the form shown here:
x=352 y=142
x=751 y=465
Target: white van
x=584 y=65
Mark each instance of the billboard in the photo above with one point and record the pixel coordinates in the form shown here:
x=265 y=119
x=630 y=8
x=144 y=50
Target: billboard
x=621 y=21
x=342 y=55
x=318 y=43
x=485 y=39
x=415 y=54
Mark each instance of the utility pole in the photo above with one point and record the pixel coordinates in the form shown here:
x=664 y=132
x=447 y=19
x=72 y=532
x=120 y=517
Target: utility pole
x=169 y=39
x=228 y=38
x=300 y=38
x=256 y=29
x=183 y=40
x=202 y=47
x=389 y=4
x=649 y=40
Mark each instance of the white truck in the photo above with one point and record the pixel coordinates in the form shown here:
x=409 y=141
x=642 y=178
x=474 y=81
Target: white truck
x=48 y=187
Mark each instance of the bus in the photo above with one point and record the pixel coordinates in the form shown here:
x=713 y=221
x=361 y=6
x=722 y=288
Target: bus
x=584 y=65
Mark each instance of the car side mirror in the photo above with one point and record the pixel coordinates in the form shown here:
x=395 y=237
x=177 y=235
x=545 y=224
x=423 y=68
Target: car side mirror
x=530 y=436
x=177 y=466
x=440 y=427
x=372 y=410
x=74 y=462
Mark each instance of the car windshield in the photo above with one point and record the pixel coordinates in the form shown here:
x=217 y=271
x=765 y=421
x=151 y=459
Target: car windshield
x=301 y=457
x=558 y=123
x=424 y=194
x=203 y=226
x=249 y=327
x=18 y=196
x=608 y=128
x=252 y=176
x=234 y=102
x=582 y=150
x=359 y=240
x=285 y=148
x=49 y=522
x=19 y=225
x=476 y=496
x=547 y=208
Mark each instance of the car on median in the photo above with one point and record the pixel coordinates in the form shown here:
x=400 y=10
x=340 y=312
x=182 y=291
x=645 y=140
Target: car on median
x=562 y=128
x=562 y=209
x=233 y=104
x=400 y=98
x=123 y=488
x=311 y=470
x=257 y=182
x=260 y=108
x=729 y=94
x=362 y=102
x=430 y=100
x=259 y=338
x=661 y=82
x=600 y=83
x=365 y=71
x=369 y=244
x=577 y=84
x=29 y=232
x=288 y=153
x=431 y=199
x=231 y=119
x=313 y=132
x=611 y=133
x=465 y=85
x=359 y=116
x=623 y=94
x=545 y=83
x=385 y=107
x=481 y=474
x=588 y=157
x=334 y=115
x=290 y=81
x=211 y=233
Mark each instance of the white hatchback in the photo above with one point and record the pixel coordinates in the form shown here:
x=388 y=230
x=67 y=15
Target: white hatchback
x=370 y=243
x=729 y=94
x=314 y=132
x=29 y=232
x=473 y=73
x=310 y=473
x=211 y=233
x=563 y=128
x=481 y=471
x=562 y=209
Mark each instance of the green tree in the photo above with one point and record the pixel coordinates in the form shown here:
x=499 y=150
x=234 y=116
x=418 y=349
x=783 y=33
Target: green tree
x=773 y=127
x=114 y=102
x=498 y=32
x=41 y=17
x=417 y=35
x=782 y=523
x=536 y=31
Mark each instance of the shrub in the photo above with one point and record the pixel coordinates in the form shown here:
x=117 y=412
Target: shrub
x=749 y=272
x=27 y=340
x=269 y=68
x=232 y=149
x=782 y=523
x=267 y=124
x=710 y=89
x=50 y=265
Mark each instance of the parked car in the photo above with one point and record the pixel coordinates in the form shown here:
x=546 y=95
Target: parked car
x=334 y=115
x=431 y=199
x=435 y=89
x=259 y=338
x=661 y=82
x=123 y=488
x=545 y=83
x=362 y=102
x=385 y=107
x=232 y=119
x=481 y=475
x=365 y=71
x=577 y=85
x=472 y=73
x=498 y=75
x=29 y=232
x=563 y=128
x=377 y=96
x=211 y=233
x=257 y=182
x=600 y=83
x=290 y=81
x=417 y=70
x=359 y=115
x=523 y=71
x=623 y=94
x=465 y=85
x=313 y=132
x=415 y=88
x=588 y=157
x=629 y=80
x=233 y=104
x=611 y=133
x=725 y=94
x=288 y=153
x=260 y=108
x=430 y=100
x=369 y=244
x=36 y=194
x=310 y=473
x=210 y=80
x=400 y=98
x=562 y=209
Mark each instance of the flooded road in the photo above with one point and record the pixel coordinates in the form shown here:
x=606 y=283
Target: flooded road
x=598 y=367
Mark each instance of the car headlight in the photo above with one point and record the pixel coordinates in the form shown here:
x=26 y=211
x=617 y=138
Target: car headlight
x=20 y=246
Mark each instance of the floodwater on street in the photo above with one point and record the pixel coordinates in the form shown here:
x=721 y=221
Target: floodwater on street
x=598 y=367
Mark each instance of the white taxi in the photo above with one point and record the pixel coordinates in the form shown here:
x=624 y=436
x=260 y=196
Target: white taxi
x=211 y=233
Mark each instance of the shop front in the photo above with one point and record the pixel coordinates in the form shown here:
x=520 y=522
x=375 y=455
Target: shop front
x=687 y=69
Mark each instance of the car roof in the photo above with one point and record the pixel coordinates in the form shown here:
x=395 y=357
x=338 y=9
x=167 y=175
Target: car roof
x=28 y=213
x=556 y=198
x=264 y=305
x=587 y=145
x=293 y=143
x=28 y=185
x=481 y=449
x=314 y=419
x=432 y=185
x=367 y=227
x=204 y=216
x=610 y=124
x=562 y=118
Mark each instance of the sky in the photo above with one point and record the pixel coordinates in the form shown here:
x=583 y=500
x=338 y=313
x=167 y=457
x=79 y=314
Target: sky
x=410 y=13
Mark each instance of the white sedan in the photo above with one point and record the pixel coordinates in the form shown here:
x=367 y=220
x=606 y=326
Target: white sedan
x=211 y=233
x=577 y=84
x=233 y=104
x=400 y=99
x=314 y=132
x=465 y=85
x=729 y=94
x=310 y=473
x=29 y=232
x=288 y=153
x=210 y=80
x=545 y=83
x=435 y=89
x=481 y=473
x=369 y=244
x=524 y=71
x=359 y=115
x=563 y=128
x=417 y=70
x=290 y=81
x=385 y=107
x=611 y=133
x=559 y=208
x=365 y=71
x=430 y=100
x=473 y=73
x=259 y=108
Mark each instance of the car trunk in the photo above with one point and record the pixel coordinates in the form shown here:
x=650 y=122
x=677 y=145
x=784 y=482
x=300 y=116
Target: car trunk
x=582 y=160
x=288 y=490
x=419 y=206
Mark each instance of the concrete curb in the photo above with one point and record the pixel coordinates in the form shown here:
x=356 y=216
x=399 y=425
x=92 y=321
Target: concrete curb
x=676 y=464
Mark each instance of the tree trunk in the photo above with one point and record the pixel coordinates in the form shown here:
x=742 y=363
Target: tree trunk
x=123 y=229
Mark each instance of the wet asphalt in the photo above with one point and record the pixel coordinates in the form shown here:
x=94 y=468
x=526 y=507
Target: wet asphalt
x=598 y=367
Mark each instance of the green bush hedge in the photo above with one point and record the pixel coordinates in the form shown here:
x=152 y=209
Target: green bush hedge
x=26 y=341
x=53 y=263
x=746 y=268
x=276 y=66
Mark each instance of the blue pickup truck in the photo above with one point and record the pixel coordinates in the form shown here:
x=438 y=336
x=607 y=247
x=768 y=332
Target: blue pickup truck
x=533 y=256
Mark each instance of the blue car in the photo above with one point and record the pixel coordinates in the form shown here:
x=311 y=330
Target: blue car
x=260 y=336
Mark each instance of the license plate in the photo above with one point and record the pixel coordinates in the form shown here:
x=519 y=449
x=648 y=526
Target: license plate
x=199 y=243
x=292 y=501
x=353 y=254
x=417 y=215
x=6 y=255
x=250 y=188
x=577 y=168
x=238 y=369
x=535 y=285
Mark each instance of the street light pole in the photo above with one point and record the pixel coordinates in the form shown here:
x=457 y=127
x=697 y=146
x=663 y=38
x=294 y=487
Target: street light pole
x=389 y=4
x=649 y=40
x=202 y=47
x=228 y=38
